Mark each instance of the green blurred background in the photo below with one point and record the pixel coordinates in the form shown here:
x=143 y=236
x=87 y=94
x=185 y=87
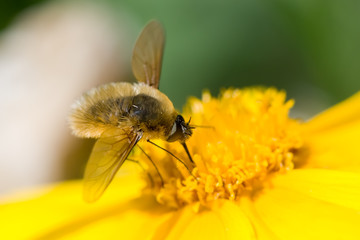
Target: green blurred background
x=310 y=48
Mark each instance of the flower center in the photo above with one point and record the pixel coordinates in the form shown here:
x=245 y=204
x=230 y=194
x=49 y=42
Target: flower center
x=246 y=136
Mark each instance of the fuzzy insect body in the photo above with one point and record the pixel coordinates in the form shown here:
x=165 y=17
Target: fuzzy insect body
x=121 y=114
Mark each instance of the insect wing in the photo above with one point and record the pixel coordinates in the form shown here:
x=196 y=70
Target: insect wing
x=108 y=154
x=148 y=54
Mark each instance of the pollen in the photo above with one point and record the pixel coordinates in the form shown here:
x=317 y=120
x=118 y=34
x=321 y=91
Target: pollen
x=241 y=139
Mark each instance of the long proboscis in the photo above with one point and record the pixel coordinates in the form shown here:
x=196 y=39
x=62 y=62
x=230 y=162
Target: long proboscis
x=187 y=152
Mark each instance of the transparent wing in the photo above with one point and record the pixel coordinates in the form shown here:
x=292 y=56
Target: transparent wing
x=148 y=53
x=108 y=154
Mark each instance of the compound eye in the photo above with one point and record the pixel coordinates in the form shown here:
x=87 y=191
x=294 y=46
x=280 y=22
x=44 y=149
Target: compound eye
x=179 y=119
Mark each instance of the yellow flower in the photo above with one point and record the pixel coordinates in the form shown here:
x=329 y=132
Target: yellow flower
x=258 y=174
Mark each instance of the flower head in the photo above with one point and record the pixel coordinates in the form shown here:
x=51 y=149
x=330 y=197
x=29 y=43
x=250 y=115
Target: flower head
x=256 y=174
x=248 y=137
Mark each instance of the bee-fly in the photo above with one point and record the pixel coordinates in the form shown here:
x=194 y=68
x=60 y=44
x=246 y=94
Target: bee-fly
x=121 y=114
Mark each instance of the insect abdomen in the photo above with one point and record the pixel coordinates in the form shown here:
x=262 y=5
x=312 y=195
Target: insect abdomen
x=118 y=112
x=110 y=111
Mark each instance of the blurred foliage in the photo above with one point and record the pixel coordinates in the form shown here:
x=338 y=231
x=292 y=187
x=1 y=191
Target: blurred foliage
x=307 y=47
x=10 y=9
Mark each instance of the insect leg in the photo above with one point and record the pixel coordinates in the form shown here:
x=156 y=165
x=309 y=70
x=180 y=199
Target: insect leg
x=142 y=167
x=181 y=161
x=157 y=170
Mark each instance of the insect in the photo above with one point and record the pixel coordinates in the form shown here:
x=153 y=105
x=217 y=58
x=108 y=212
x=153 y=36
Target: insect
x=121 y=114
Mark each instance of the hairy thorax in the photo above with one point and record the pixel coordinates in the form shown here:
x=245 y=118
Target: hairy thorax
x=123 y=105
x=141 y=112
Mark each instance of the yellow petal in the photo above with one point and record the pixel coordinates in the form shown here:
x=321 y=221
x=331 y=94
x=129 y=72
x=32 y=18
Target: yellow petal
x=224 y=220
x=60 y=209
x=262 y=230
x=137 y=219
x=336 y=148
x=338 y=115
x=60 y=213
x=141 y=220
x=336 y=187
x=311 y=204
